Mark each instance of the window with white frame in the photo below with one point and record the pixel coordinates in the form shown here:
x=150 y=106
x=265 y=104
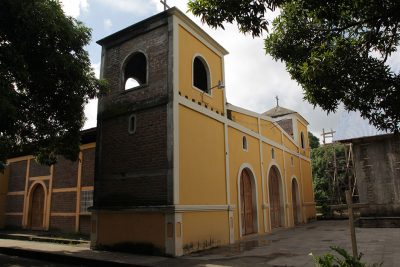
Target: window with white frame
x=86 y=200
x=201 y=74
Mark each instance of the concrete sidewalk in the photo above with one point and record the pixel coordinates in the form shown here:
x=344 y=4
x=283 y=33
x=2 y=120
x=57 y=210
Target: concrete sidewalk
x=284 y=247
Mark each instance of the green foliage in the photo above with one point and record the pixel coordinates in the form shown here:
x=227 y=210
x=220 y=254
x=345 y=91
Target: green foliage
x=336 y=50
x=343 y=259
x=46 y=79
x=249 y=14
x=314 y=141
x=325 y=209
x=322 y=163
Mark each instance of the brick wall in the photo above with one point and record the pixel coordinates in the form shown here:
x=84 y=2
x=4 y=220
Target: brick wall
x=13 y=221
x=14 y=203
x=88 y=166
x=154 y=45
x=85 y=224
x=17 y=178
x=134 y=166
x=287 y=126
x=38 y=170
x=62 y=223
x=63 y=202
x=65 y=173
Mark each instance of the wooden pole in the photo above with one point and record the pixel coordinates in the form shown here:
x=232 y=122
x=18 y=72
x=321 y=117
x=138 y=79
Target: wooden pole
x=351 y=223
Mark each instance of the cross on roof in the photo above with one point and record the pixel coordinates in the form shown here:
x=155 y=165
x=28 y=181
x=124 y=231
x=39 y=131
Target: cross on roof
x=277 y=101
x=164 y=2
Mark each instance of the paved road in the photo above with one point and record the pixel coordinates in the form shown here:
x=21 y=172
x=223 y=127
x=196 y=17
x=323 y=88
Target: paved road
x=13 y=261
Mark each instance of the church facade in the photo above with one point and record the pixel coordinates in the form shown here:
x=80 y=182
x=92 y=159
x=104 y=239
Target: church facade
x=177 y=168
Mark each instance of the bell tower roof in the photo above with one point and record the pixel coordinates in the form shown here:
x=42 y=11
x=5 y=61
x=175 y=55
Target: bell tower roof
x=278 y=111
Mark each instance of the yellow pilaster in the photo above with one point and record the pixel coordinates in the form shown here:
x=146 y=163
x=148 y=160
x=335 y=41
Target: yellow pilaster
x=78 y=192
x=26 y=201
x=48 y=202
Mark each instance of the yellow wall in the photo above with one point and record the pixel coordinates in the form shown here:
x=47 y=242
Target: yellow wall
x=308 y=189
x=116 y=228
x=271 y=131
x=204 y=230
x=201 y=159
x=189 y=47
x=289 y=144
x=3 y=193
x=250 y=122
x=307 y=181
x=292 y=170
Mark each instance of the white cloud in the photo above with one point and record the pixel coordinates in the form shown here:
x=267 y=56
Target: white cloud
x=96 y=69
x=91 y=107
x=73 y=7
x=140 y=7
x=394 y=61
x=107 y=23
x=91 y=114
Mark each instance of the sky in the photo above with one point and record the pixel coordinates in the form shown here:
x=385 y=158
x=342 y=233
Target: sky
x=252 y=78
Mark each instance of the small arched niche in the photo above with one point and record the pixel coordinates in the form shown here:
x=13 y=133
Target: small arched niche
x=302 y=141
x=201 y=74
x=135 y=71
x=244 y=143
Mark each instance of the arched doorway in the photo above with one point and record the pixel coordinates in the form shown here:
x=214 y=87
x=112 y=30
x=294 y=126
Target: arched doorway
x=247 y=196
x=37 y=207
x=296 y=202
x=275 y=198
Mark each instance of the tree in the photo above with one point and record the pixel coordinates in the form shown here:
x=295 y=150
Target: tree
x=314 y=141
x=323 y=162
x=46 y=79
x=336 y=50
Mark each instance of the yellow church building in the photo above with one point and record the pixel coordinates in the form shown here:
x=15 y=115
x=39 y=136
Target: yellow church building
x=172 y=167
x=178 y=168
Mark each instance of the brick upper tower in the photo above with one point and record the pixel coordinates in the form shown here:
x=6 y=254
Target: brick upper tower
x=134 y=145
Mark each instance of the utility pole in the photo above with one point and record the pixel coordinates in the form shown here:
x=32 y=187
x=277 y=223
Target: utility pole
x=327 y=135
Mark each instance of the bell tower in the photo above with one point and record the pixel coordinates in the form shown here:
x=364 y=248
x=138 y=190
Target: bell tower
x=134 y=138
x=151 y=67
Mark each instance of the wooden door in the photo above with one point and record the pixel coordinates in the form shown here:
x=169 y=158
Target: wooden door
x=37 y=208
x=274 y=198
x=246 y=197
x=295 y=202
